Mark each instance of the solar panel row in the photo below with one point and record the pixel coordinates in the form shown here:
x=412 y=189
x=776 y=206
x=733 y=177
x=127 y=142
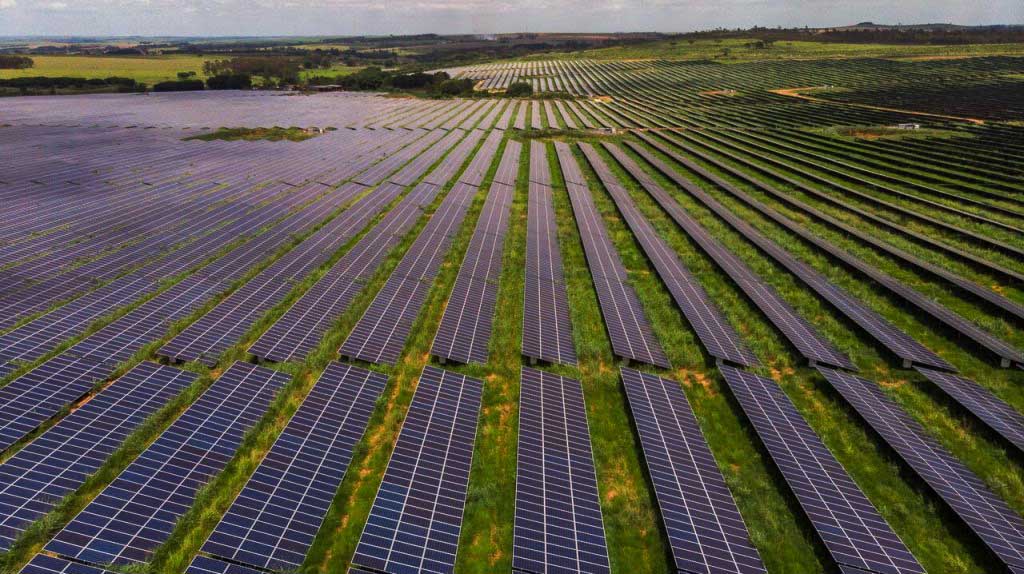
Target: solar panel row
x=138 y=510
x=60 y=460
x=547 y=329
x=853 y=531
x=558 y=524
x=987 y=515
x=891 y=337
x=798 y=331
x=628 y=328
x=416 y=518
x=980 y=291
x=381 y=333
x=982 y=403
x=41 y=393
x=273 y=521
x=719 y=338
x=704 y=527
x=207 y=338
x=301 y=328
x=465 y=328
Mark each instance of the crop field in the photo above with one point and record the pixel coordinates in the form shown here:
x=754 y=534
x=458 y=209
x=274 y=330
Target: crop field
x=668 y=316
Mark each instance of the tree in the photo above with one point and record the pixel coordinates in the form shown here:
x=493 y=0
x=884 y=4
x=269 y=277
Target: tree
x=519 y=90
x=229 y=82
x=9 y=62
x=186 y=75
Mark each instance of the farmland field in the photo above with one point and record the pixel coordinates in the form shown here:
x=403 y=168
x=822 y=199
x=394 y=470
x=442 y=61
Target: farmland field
x=146 y=69
x=678 y=313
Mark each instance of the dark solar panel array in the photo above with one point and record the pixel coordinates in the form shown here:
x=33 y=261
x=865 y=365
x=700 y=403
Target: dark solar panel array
x=628 y=328
x=982 y=403
x=273 y=521
x=1008 y=355
x=43 y=564
x=899 y=343
x=207 y=338
x=797 y=330
x=853 y=531
x=303 y=325
x=558 y=525
x=987 y=515
x=547 y=329
x=704 y=527
x=381 y=333
x=980 y=291
x=60 y=460
x=416 y=518
x=714 y=331
x=465 y=329
x=33 y=398
x=138 y=510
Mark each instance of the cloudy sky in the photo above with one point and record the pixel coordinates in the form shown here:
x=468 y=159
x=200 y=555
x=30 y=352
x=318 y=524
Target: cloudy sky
x=341 y=17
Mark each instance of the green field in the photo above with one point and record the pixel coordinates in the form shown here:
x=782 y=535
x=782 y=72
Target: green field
x=739 y=50
x=146 y=69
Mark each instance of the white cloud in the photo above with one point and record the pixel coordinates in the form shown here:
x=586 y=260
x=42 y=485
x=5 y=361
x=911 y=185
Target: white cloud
x=8 y=4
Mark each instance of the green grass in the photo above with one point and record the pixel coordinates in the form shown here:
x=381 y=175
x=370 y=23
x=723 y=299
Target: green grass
x=335 y=71
x=273 y=134
x=146 y=69
x=855 y=133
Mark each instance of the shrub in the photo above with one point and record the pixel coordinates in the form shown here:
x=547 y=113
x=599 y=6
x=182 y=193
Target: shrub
x=455 y=87
x=230 y=82
x=183 y=86
x=519 y=90
x=8 y=62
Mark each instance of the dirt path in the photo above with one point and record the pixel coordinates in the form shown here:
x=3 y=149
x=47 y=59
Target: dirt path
x=796 y=93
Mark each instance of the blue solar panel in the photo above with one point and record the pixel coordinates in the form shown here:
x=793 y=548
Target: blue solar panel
x=999 y=526
x=558 y=525
x=416 y=518
x=704 y=526
x=275 y=518
x=139 y=509
x=853 y=531
x=61 y=459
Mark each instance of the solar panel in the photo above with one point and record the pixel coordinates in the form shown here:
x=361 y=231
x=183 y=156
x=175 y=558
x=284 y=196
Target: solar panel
x=987 y=515
x=61 y=459
x=206 y=565
x=547 y=328
x=465 y=328
x=416 y=518
x=558 y=524
x=797 y=330
x=853 y=531
x=628 y=328
x=717 y=335
x=982 y=403
x=273 y=521
x=705 y=529
x=43 y=564
x=138 y=510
